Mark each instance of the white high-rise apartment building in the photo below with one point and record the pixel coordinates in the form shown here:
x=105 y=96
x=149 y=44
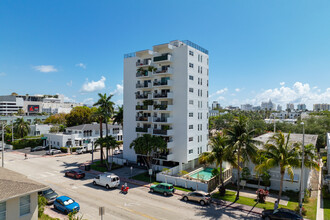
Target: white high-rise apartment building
x=290 y=106
x=246 y=107
x=166 y=94
x=301 y=107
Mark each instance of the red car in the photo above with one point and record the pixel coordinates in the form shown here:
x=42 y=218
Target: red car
x=75 y=174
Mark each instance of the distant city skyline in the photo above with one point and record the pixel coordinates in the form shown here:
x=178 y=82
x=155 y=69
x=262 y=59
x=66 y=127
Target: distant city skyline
x=277 y=50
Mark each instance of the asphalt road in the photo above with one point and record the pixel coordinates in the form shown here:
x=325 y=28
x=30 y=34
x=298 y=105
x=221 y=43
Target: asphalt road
x=137 y=204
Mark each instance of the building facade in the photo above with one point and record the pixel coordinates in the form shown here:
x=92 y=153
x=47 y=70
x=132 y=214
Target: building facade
x=166 y=94
x=246 y=107
x=321 y=107
x=215 y=105
x=270 y=106
x=301 y=107
x=10 y=105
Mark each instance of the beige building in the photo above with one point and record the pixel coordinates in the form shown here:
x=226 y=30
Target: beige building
x=18 y=196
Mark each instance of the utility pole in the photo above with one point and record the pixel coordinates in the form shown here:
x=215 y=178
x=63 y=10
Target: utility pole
x=12 y=131
x=302 y=172
x=3 y=145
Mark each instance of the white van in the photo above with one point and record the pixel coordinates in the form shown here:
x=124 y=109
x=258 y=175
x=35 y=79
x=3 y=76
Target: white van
x=109 y=180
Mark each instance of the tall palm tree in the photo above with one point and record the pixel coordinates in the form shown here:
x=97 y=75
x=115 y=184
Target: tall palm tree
x=111 y=143
x=21 y=127
x=310 y=157
x=99 y=115
x=220 y=153
x=119 y=116
x=259 y=162
x=280 y=152
x=241 y=143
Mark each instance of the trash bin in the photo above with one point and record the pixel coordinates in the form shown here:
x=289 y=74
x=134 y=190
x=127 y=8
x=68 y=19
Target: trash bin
x=87 y=167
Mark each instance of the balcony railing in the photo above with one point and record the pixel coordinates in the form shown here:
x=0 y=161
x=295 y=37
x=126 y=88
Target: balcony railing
x=143 y=63
x=141 y=107
x=139 y=129
x=160 y=107
x=142 y=73
x=162 y=83
x=162 y=131
x=168 y=70
x=162 y=119
x=142 y=85
x=141 y=96
x=163 y=95
x=165 y=57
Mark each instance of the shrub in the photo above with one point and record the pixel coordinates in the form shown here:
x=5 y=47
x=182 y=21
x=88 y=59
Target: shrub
x=303 y=211
x=262 y=194
x=23 y=143
x=246 y=173
x=41 y=205
x=64 y=149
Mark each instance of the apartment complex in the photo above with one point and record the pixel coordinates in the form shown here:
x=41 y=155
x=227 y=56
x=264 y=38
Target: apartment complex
x=10 y=104
x=166 y=94
x=321 y=107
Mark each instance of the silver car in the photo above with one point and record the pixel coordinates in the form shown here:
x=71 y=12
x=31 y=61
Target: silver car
x=197 y=196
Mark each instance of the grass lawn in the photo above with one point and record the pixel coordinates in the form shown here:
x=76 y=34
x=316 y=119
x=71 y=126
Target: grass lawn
x=326 y=204
x=146 y=178
x=230 y=196
x=102 y=168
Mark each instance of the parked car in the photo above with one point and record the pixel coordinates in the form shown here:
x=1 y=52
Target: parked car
x=50 y=195
x=281 y=214
x=109 y=180
x=66 y=205
x=197 y=196
x=164 y=188
x=75 y=174
x=39 y=148
x=53 y=151
x=116 y=152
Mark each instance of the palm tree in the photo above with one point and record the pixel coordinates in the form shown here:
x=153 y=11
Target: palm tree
x=111 y=143
x=148 y=146
x=219 y=154
x=21 y=127
x=310 y=157
x=280 y=152
x=37 y=121
x=119 y=116
x=241 y=143
x=99 y=115
x=260 y=169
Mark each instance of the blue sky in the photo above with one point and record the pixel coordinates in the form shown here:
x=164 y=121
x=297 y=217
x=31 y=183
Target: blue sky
x=258 y=49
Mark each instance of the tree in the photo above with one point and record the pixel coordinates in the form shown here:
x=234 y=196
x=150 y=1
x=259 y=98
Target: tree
x=119 y=116
x=20 y=112
x=148 y=146
x=78 y=116
x=310 y=157
x=260 y=169
x=220 y=153
x=99 y=115
x=56 y=119
x=37 y=121
x=21 y=127
x=111 y=143
x=280 y=152
x=241 y=143
x=106 y=108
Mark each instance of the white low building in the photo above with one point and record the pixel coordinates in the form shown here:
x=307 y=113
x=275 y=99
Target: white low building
x=82 y=135
x=275 y=172
x=37 y=130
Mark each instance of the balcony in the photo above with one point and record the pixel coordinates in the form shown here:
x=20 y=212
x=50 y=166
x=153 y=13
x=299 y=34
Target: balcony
x=169 y=70
x=163 y=83
x=143 y=119
x=143 y=96
x=163 y=119
x=163 y=107
x=143 y=85
x=170 y=157
x=142 y=73
x=141 y=107
x=163 y=132
x=170 y=145
x=145 y=62
x=163 y=58
x=140 y=129
x=168 y=95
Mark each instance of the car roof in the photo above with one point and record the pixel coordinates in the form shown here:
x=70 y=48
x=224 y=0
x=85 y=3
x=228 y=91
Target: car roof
x=166 y=184
x=63 y=198
x=201 y=192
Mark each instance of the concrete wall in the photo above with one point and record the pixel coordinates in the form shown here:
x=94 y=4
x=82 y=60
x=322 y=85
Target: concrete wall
x=12 y=208
x=182 y=182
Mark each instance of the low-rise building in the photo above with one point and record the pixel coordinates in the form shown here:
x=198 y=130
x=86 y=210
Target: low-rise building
x=37 y=130
x=10 y=105
x=29 y=118
x=18 y=196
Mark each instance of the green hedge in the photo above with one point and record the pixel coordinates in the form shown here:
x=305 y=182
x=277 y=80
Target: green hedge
x=65 y=149
x=23 y=143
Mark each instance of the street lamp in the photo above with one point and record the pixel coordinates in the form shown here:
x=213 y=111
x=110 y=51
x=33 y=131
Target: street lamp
x=302 y=171
x=131 y=172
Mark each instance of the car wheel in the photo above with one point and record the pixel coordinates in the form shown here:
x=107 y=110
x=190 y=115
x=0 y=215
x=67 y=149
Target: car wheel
x=107 y=186
x=202 y=202
x=152 y=190
x=185 y=198
x=165 y=193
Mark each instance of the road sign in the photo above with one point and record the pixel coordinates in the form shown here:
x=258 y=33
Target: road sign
x=101 y=211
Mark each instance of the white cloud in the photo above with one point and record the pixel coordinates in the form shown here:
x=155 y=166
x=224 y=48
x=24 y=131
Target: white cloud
x=81 y=65
x=237 y=89
x=119 y=102
x=119 y=90
x=3 y=74
x=282 y=83
x=298 y=93
x=45 y=68
x=69 y=83
x=221 y=91
x=88 y=101
x=93 y=85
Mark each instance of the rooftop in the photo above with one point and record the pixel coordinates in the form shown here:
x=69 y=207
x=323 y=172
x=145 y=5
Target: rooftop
x=95 y=126
x=13 y=184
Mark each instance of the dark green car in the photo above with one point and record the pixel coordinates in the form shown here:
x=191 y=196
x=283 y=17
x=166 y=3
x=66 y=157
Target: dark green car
x=164 y=188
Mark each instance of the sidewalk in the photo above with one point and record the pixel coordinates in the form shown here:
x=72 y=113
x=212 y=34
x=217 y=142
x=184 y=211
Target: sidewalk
x=319 y=210
x=241 y=207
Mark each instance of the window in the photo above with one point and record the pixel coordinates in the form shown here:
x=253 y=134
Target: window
x=24 y=205
x=199 y=56
x=201 y=92
x=207 y=64
x=191 y=53
x=191 y=102
x=191 y=126
x=198 y=149
x=191 y=151
x=207 y=83
x=3 y=210
x=201 y=69
x=199 y=80
x=191 y=65
x=191 y=139
x=191 y=77
x=191 y=89
x=191 y=114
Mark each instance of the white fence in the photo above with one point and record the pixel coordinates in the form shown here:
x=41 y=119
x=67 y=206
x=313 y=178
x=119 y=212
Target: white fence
x=182 y=182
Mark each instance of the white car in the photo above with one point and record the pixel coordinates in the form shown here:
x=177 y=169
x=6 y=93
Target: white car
x=108 y=180
x=53 y=151
x=116 y=152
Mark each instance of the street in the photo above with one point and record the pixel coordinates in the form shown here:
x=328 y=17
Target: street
x=137 y=204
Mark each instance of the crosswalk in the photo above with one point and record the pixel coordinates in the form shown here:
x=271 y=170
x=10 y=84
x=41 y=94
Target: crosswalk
x=42 y=175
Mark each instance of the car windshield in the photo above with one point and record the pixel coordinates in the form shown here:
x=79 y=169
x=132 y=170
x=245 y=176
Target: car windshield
x=68 y=202
x=207 y=195
x=49 y=191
